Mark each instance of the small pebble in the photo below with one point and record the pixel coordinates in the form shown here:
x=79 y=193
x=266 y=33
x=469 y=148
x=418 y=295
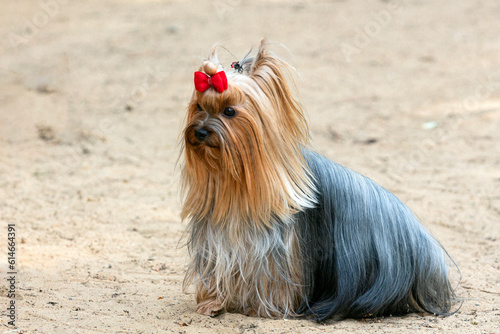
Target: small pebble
x=173 y=29
x=429 y=125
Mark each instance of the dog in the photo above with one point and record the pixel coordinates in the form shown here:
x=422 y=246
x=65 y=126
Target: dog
x=276 y=230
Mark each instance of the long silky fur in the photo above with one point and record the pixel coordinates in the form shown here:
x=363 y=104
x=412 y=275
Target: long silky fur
x=372 y=255
x=277 y=230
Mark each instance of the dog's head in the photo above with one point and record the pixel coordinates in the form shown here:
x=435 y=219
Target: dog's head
x=246 y=131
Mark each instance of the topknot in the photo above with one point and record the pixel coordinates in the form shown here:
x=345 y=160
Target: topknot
x=209 y=67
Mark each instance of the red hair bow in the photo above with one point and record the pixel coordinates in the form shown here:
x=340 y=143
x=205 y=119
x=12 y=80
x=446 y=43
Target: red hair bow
x=202 y=81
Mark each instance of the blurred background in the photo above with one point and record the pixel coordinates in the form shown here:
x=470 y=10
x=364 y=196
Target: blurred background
x=92 y=102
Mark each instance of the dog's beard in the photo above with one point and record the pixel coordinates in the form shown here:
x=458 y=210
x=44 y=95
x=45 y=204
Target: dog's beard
x=204 y=156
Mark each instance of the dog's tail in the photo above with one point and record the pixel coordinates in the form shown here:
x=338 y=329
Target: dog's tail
x=374 y=256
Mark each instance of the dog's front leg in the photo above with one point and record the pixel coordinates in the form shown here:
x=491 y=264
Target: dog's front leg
x=207 y=301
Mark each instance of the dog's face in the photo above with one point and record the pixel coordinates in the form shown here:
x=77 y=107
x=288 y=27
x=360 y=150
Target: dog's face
x=256 y=117
x=222 y=130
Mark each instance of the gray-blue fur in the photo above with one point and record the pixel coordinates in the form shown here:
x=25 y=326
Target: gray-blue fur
x=365 y=253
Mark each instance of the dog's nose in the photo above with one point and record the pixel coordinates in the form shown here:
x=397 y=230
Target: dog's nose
x=200 y=134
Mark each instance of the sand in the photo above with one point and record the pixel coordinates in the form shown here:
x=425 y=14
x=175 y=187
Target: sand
x=92 y=101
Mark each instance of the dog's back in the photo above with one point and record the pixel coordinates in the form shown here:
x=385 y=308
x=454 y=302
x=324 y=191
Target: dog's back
x=372 y=255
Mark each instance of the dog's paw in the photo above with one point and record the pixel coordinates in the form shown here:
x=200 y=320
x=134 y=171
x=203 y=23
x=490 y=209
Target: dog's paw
x=210 y=308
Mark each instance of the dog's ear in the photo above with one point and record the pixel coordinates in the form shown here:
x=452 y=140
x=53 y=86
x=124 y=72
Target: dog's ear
x=274 y=77
x=260 y=58
x=266 y=61
x=269 y=70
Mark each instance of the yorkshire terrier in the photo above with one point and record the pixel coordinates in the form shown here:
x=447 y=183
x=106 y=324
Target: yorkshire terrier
x=277 y=230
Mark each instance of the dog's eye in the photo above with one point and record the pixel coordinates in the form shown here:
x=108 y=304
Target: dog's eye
x=198 y=107
x=229 y=112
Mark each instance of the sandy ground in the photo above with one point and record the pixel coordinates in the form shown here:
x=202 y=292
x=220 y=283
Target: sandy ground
x=92 y=99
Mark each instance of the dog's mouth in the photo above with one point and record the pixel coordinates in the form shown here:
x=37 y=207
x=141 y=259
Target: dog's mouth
x=205 y=148
x=197 y=144
x=209 y=140
x=204 y=154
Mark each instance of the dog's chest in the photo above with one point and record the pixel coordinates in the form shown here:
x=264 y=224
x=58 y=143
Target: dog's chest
x=258 y=272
